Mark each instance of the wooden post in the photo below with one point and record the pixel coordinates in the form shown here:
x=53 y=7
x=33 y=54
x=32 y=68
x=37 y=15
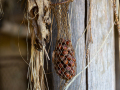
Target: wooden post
x=117 y=60
x=101 y=72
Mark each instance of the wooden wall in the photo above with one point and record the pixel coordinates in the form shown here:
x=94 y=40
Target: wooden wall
x=100 y=74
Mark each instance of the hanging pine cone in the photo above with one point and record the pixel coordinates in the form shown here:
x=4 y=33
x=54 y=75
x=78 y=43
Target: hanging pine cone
x=64 y=59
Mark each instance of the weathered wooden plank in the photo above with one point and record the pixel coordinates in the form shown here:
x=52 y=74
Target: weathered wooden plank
x=77 y=26
x=101 y=72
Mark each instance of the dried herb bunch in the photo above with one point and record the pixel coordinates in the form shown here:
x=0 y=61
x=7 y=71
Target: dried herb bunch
x=39 y=21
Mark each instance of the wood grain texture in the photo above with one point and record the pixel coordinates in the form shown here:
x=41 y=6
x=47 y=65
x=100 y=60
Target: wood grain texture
x=101 y=72
x=77 y=27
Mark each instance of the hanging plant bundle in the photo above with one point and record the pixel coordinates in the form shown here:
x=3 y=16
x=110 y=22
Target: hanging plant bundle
x=38 y=16
x=64 y=54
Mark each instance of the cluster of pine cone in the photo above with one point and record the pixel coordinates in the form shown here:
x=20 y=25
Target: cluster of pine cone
x=64 y=59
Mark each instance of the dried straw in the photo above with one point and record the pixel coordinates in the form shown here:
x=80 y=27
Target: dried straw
x=36 y=72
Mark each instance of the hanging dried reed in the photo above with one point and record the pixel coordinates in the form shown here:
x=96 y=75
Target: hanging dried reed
x=38 y=19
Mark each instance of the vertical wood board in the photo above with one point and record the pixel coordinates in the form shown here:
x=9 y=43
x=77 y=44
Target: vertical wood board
x=101 y=72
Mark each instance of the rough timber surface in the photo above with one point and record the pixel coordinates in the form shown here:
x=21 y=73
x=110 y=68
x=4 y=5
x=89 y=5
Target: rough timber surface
x=101 y=72
x=77 y=27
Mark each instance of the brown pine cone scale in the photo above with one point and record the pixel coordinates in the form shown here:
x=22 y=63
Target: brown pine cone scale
x=64 y=59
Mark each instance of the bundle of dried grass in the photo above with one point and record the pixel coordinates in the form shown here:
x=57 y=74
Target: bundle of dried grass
x=39 y=21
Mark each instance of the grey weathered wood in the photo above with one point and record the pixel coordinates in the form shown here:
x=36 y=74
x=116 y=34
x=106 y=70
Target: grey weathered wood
x=77 y=28
x=101 y=72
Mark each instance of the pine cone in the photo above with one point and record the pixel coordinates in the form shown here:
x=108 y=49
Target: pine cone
x=64 y=59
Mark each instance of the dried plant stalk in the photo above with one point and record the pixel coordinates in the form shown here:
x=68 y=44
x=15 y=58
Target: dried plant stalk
x=116 y=16
x=36 y=74
x=39 y=19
